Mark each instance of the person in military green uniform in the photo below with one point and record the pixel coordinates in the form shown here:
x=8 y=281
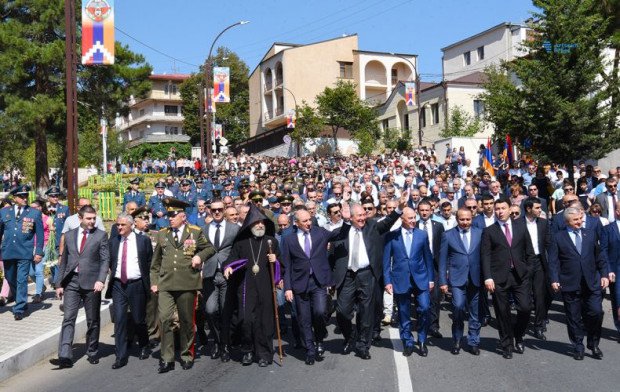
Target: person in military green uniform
x=257 y=198
x=179 y=254
x=134 y=194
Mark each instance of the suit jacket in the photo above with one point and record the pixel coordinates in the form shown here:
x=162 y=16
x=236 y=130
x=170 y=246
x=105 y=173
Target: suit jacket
x=479 y=222
x=372 y=235
x=464 y=198
x=496 y=253
x=568 y=267
x=544 y=238
x=399 y=269
x=456 y=262
x=438 y=231
x=592 y=223
x=93 y=262
x=602 y=199
x=221 y=254
x=145 y=254
x=21 y=236
x=610 y=247
x=297 y=264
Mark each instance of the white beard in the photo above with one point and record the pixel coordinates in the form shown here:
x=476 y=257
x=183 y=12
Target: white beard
x=256 y=232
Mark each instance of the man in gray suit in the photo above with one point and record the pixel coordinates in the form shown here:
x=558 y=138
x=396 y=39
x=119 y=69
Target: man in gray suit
x=609 y=199
x=221 y=234
x=81 y=276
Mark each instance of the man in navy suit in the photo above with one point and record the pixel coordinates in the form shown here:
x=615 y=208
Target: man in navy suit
x=408 y=269
x=579 y=270
x=481 y=221
x=610 y=246
x=588 y=221
x=129 y=286
x=307 y=275
x=459 y=257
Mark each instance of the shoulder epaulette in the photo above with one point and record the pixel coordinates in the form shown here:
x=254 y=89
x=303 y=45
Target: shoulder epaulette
x=193 y=227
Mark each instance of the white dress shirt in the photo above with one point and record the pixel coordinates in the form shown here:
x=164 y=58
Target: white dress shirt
x=362 y=261
x=429 y=232
x=532 y=227
x=133 y=265
x=489 y=221
x=213 y=228
x=611 y=214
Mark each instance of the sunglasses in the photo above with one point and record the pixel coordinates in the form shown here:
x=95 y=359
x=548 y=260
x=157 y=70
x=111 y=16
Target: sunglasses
x=612 y=186
x=335 y=212
x=568 y=189
x=217 y=209
x=515 y=213
x=472 y=207
x=257 y=200
x=369 y=208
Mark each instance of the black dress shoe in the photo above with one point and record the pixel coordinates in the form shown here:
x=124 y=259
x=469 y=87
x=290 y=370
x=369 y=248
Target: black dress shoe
x=225 y=356
x=376 y=339
x=474 y=350
x=407 y=351
x=186 y=365
x=93 y=360
x=485 y=321
x=597 y=353
x=578 y=355
x=18 y=316
x=119 y=363
x=165 y=367
x=298 y=345
x=348 y=348
x=507 y=353
x=309 y=360
x=215 y=352
x=37 y=299
x=320 y=350
x=247 y=359
x=519 y=347
x=62 y=363
x=144 y=353
x=264 y=363
x=364 y=354
x=423 y=349
x=538 y=334
x=435 y=334
x=456 y=349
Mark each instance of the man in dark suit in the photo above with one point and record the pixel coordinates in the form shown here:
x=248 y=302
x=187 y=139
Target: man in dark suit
x=81 y=276
x=221 y=234
x=434 y=231
x=507 y=255
x=610 y=247
x=129 y=286
x=408 y=269
x=540 y=237
x=532 y=191
x=482 y=221
x=357 y=261
x=307 y=275
x=579 y=270
x=459 y=258
x=609 y=199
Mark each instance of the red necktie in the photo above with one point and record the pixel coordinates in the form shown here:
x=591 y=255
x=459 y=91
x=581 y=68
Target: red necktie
x=83 y=243
x=509 y=239
x=124 y=262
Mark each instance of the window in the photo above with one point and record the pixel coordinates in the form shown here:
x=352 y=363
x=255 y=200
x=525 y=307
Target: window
x=171 y=110
x=172 y=130
x=480 y=52
x=170 y=88
x=467 y=58
x=406 y=121
x=478 y=108
x=346 y=70
x=435 y=113
x=385 y=124
x=423 y=117
x=141 y=112
x=394 y=76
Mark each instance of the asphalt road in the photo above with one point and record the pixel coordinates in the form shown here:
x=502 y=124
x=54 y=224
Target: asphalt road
x=545 y=366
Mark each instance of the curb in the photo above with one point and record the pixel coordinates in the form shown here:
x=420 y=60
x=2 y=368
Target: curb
x=43 y=346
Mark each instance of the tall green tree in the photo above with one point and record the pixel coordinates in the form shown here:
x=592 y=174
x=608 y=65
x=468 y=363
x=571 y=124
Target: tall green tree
x=32 y=78
x=340 y=107
x=234 y=116
x=308 y=125
x=460 y=123
x=561 y=104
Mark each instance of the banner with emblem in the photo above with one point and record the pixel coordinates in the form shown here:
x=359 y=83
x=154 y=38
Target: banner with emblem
x=221 y=84
x=291 y=119
x=217 y=131
x=97 y=32
x=410 y=93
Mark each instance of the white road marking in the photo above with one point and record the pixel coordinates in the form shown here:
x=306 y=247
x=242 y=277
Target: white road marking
x=402 y=365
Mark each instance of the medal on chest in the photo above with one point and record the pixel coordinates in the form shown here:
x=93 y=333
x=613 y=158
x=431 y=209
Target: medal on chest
x=255 y=257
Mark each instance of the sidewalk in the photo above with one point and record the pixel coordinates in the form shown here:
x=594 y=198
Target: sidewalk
x=26 y=342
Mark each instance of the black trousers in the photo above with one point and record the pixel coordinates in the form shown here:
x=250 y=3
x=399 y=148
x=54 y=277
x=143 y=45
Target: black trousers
x=541 y=290
x=311 y=307
x=584 y=316
x=132 y=296
x=613 y=286
x=435 y=306
x=357 y=289
x=510 y=331
x=258 y=323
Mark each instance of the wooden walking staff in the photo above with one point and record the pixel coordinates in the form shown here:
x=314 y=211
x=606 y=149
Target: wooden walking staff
x=275 y=303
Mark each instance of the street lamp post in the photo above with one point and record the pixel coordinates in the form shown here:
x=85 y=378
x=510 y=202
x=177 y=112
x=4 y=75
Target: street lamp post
x=295 y=101
x=417 y=95
x=205 y=93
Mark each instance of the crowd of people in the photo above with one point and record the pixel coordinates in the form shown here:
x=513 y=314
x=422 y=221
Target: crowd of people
x=369 y=238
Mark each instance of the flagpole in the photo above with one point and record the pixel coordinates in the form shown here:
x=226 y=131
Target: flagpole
x=104 y=135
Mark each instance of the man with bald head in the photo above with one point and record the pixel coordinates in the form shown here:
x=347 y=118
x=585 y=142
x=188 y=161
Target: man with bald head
x=408 y=269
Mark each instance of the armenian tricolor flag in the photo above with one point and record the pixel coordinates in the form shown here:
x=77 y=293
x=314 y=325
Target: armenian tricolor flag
x=97 y=32
x=508 y=150
x=487 y=160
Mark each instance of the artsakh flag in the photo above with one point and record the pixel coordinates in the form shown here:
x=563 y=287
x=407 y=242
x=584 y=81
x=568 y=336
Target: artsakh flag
x=97 y=32
x=487 y=160
x=409 y=93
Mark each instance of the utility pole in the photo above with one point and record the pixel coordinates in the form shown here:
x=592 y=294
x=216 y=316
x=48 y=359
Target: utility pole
x=71 y=101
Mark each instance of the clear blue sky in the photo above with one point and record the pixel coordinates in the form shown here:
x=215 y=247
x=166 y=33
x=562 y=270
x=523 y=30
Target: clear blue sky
x=184 y=29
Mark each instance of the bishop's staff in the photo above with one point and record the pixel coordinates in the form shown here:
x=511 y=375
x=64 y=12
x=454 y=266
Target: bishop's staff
x=275 y=302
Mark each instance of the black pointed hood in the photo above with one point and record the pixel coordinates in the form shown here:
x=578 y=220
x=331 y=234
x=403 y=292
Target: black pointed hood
x=254 y=215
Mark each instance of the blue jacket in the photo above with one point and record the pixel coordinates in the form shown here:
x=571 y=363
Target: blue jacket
x=190 y=199
x=478 y=222
x=610 y=247
x=18 y=236
x=398 y=268
x=62 y=213
x=156 y=205
x=138 y=198
x=458 y=263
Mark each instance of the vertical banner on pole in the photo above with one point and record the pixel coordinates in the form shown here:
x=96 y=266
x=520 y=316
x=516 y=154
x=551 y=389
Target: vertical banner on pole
x=291 y=119
x=221 y=84
x=410 y=93
x=97 y=32
x=217 y=131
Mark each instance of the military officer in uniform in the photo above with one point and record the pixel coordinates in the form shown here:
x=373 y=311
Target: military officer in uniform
x=60 y=213
x=19 y=226
x=188 y=196
x=179 y=254
x=156 y=206
x=134 y=194
x=201 y=192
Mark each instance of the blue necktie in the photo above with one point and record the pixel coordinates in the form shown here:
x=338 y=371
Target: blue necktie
x=465 y=242
x=408 y=239
x=577 y=241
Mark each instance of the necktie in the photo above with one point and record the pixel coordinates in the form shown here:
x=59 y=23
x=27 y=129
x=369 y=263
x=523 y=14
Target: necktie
x=577 y=241
x=465 y=241
x=307 y=248
x=613 y=198
x=124 y=262
x=507 y=233
x=216 y=240
x=176 y=235
x=408 y=239
x=83 y=243
x=19 y=213
x=355 y=252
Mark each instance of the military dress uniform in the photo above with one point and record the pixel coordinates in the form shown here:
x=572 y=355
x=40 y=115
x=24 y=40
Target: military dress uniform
x=156 y=205
x=19 y=227
x=135 y=196
x=177 y=284
x=188 y=197
x=59 y=213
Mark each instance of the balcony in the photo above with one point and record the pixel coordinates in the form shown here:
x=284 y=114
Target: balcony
x=149 y=118
x=268 y=87
x=158 y=138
